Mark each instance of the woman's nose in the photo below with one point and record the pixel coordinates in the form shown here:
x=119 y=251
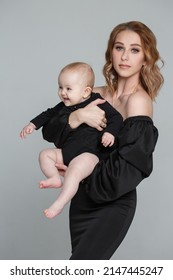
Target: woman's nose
x=125 y=56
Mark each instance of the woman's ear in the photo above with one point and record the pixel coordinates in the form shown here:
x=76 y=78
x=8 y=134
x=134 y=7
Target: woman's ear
x=87 y=92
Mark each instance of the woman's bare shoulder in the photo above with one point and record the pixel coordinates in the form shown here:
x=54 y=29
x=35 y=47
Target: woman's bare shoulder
x=139 y=103
x=100 y=90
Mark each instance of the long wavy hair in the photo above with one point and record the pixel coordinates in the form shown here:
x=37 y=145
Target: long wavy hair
x=150 y=77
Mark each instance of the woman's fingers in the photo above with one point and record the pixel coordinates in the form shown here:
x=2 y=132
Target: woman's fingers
x=61 y=168
x=98 y=101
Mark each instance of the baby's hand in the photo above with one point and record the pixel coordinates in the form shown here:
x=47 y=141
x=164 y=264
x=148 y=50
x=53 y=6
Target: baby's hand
x=28 y=129
x=108 y=139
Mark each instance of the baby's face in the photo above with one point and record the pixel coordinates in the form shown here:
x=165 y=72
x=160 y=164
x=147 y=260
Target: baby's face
x=71 y=88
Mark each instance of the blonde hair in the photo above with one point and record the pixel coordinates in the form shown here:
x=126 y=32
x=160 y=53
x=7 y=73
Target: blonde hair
x=84 y=69
x=151 y=78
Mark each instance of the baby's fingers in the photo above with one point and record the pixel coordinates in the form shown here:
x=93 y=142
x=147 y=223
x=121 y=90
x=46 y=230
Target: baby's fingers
x=22 y=134
x=105 y=141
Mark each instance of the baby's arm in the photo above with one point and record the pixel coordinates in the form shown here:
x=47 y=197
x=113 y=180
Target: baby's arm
x=108 y=139
x=28 y=129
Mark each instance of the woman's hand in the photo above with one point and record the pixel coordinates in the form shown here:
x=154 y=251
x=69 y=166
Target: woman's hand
x=92 y=115
x=61 y=168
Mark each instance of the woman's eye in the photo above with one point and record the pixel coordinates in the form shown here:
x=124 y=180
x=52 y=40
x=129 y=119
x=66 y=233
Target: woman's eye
x=135 y=50
x=118 y=48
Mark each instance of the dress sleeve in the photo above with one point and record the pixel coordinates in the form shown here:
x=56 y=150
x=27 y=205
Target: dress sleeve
x=114 y=119
x=57 y=129
x=128 y=164
x=45 y=116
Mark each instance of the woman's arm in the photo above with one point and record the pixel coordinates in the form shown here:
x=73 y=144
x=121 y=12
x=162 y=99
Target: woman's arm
x=127 y=165
x=139 y=104
x=132 y=160
x=91 y=114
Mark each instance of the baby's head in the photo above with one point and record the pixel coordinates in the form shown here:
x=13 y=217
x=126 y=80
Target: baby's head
x=76 y=81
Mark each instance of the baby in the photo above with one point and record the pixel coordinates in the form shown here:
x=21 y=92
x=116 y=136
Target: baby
x=80 y=148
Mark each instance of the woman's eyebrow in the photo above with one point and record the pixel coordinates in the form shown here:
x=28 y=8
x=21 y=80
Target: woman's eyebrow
x=134 y=44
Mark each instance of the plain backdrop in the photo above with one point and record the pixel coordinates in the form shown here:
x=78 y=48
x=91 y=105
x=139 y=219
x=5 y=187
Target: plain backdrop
x=38 y=38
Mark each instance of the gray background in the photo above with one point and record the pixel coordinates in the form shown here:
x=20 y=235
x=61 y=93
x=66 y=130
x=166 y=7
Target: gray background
x=38 y=38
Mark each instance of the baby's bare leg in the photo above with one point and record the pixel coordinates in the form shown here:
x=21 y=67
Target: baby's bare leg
x=47 y=160
x=78 y=169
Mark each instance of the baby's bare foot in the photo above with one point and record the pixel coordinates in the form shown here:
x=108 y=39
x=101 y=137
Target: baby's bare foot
x=54 y=182
x=53 y=211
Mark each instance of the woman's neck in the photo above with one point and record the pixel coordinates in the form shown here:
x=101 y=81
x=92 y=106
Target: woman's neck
x=126 y=87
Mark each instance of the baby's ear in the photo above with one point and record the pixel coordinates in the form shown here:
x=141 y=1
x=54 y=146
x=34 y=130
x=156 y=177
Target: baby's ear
x=87 y=92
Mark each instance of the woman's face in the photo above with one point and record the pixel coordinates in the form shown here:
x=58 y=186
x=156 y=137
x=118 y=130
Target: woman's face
x=127 y=54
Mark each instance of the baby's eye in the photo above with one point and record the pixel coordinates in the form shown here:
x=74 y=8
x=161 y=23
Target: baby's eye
x=68 y=88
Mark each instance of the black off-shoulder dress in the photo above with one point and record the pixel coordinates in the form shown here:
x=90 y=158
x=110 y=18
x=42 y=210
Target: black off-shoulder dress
x=104 y=206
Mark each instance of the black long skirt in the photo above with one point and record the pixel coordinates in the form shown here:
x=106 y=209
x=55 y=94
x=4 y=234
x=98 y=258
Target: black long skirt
x=97 y=230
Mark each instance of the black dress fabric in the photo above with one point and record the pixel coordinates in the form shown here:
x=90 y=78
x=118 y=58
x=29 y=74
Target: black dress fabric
x=104 y=206
x=127 y=165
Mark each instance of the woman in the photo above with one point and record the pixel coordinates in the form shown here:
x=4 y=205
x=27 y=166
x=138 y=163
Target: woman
x=103 y=208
